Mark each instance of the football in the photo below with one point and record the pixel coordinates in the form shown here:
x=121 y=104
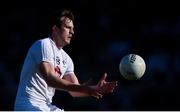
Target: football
x=132 y=67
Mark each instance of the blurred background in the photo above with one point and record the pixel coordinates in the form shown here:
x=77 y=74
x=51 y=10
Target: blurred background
x=105 y=31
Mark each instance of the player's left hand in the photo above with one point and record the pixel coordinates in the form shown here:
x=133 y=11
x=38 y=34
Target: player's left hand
x=106 y=87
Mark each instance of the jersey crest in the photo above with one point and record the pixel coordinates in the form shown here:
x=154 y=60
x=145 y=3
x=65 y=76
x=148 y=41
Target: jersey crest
x=58 y=60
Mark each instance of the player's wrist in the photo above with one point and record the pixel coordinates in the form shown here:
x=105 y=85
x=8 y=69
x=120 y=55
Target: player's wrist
x=93 y=87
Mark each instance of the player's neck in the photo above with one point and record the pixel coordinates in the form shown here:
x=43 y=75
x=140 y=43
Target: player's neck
x=57 y=41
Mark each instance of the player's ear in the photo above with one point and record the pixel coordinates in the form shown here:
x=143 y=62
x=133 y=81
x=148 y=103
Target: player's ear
x=53 y=27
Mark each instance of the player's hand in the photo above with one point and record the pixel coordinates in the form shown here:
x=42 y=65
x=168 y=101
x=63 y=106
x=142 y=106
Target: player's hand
x=106 y=87
x=93 y=92
x=96 y=94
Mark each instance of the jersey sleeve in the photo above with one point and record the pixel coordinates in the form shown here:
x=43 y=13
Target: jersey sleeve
x=42 y=51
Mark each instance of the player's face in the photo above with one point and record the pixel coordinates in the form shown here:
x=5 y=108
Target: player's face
x=66 y=31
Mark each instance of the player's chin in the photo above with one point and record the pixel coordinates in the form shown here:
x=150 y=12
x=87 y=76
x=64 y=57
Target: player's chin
x=68 y=42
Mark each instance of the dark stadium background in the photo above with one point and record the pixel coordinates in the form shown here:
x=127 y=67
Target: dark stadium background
x=105 y=31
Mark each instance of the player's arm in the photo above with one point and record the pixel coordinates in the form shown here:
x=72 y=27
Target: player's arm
x=48 y=72
x=72 y=78
x=102 y=86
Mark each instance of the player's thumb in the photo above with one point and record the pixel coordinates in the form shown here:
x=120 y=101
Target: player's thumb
x=103 y=77
x=102 y=80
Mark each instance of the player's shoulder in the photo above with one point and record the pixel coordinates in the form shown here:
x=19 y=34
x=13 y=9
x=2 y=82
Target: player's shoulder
x=65 y=54
x=42 y=41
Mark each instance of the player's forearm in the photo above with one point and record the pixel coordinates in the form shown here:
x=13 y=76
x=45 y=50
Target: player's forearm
x=62 y=84
x=80 y=94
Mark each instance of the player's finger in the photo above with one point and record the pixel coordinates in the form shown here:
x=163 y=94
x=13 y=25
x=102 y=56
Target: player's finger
x=103 y=77
x=97 y=95
x=110 y=87
x=114 y=83
x=111 y=90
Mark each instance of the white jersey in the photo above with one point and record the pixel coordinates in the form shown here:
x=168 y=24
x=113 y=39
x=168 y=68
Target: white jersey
x=33 y=91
